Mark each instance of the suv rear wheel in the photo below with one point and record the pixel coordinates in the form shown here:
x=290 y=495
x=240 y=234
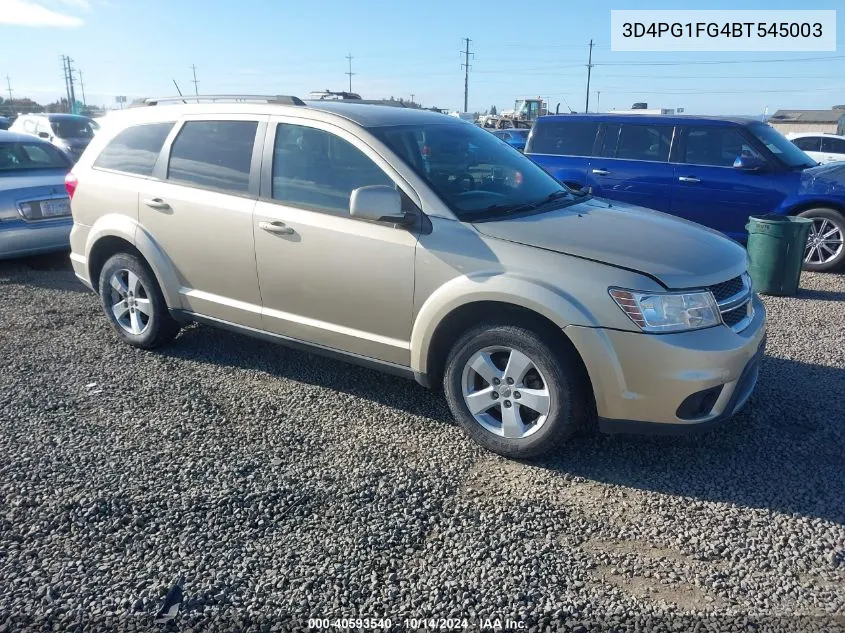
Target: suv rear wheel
x=825 y=246
x=513 y=393
x=133 y=303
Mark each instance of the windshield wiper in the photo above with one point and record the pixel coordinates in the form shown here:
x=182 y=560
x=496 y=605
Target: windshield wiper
x=527 y=206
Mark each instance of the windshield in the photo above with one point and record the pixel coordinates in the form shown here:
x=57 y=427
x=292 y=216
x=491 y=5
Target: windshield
x=785 y=150
x=15 y=156
x=73 y=128
x=472 y=171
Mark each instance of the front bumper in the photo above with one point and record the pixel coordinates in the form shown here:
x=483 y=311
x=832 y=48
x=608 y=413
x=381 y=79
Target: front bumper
x=19 y=238
x=640 y=381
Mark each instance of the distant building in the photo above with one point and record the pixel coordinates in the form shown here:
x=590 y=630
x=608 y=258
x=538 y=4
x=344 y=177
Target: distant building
x=831 y=121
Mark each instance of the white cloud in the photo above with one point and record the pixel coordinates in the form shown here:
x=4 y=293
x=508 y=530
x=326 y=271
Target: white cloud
x=28 y=13
x=85 y=5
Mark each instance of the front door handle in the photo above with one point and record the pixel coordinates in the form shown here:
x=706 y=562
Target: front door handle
x=156 y=203
x=601 y=172
x=688 y=179
x=279 y=228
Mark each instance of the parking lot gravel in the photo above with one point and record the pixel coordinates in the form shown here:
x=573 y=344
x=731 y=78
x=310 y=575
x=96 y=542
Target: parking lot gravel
x=285 y=486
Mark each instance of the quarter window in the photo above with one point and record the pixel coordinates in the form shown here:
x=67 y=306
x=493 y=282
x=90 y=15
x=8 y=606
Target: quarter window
x=808 y=143
x=135 y=149
x=214 y=154
x=318 y=170
x=564 y=138
x=644 y=142
x=716 y=146
x=833 y=145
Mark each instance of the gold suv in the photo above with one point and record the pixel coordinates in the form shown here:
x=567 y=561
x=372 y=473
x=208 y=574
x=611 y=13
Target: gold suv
x=412 y=242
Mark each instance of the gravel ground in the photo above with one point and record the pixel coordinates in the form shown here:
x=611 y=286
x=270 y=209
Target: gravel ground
x=285 y=486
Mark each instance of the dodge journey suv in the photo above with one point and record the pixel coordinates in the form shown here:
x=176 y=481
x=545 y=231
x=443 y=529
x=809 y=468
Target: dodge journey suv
x=715 y=171
x=411 y=242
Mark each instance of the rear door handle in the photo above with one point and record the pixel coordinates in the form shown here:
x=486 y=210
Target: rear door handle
x=688 y=179
x=279 y=228
x=156 y=203
x=601 y=172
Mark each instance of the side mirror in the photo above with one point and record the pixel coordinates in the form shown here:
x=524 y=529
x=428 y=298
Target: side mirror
x=378 y=203
x=749 y=163
x=43 y=135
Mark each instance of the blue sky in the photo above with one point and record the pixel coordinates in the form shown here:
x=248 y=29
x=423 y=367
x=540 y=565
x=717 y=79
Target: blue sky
x=399 y=48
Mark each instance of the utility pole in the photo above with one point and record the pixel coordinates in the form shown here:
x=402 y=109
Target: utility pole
x=9 y=85
x=350 y=73
x=196 y=90
x=82 y=87
x=465 y=66
x=589 y=68
x=412 y=98
x=72 y=88
x=67 y=83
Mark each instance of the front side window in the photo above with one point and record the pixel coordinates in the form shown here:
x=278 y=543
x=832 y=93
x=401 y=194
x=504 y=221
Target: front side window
x=833 y=145
x=15 y=156
x=213 y=154
x=72 y=128
x=135 y=149
x=563 y=138
x=808 y=143
x=717 y=146
x=318 y=170
x=471 y=171
x=644 y=142
x=777 y=144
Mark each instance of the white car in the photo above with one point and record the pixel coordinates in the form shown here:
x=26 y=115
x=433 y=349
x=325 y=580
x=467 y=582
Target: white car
x=825 y=148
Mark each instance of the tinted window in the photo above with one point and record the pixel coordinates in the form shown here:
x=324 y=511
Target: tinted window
x=135 y=149
x=644 y=142
x=318 y=170
x=213 y=154
x=30 y=156
x=833 y=145
x=717 y=146
x=73 y=128
x=566 y=138
x=777 y=144
x=610 y=139
x=808 y=143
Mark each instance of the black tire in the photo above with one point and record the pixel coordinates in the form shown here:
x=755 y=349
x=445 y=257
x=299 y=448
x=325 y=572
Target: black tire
x=159 y=327
x=560 y=369
x=837 y=219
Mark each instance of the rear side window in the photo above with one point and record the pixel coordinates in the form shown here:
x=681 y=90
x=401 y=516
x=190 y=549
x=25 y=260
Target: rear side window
x=564 y=138
x=644 y=142
x=833 y=145
x=716 y=146
x=135 y=149
x=213 y=154
x=808 y=143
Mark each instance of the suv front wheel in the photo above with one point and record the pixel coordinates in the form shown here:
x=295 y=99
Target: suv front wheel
x=513 y=393
x=134 y=304
x=825 y=251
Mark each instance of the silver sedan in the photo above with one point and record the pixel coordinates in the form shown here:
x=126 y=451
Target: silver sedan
x=34 y=206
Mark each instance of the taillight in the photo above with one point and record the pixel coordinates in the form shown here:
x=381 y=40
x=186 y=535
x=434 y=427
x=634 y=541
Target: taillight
x=70 y=184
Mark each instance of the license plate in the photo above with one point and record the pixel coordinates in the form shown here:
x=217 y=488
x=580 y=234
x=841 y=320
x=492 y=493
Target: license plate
x=54 y=208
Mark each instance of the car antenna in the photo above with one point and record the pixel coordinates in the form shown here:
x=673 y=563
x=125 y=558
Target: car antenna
x=571 y=111
x=179 y=91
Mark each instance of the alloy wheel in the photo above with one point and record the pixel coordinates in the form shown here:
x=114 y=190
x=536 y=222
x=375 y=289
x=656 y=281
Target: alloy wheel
x=506 y=392
x=825 y=242
x=130 y=302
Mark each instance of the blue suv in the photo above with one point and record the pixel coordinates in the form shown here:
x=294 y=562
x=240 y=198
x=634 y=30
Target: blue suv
x=711 y=170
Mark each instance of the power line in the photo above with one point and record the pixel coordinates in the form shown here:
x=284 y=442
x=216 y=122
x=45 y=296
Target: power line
x=349 y=72
x=465 y=66
x=196 y=89
x=589 y=70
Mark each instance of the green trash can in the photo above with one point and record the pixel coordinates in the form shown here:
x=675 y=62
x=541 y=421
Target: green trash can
x=776 y=245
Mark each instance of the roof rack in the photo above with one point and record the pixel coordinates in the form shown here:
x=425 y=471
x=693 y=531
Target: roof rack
x=277 y=99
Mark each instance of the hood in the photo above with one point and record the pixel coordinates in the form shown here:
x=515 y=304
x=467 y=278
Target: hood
x=679 y=253
x=823 y=180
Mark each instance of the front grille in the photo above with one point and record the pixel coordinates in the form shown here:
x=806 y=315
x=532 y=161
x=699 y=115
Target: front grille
x=727 y=289
x=734 y=300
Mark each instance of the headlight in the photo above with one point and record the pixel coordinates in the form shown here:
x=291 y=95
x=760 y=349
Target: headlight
x=668 y=312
